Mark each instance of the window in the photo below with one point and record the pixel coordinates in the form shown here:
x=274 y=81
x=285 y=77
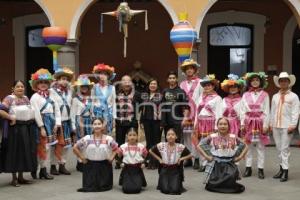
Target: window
x=35 y=38
x=230 y=36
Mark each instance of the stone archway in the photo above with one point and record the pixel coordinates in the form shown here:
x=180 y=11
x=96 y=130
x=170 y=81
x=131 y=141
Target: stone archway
x=288 y=35
x=293 y=4
x=86 y=4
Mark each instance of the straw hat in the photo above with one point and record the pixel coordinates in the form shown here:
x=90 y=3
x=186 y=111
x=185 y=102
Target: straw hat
x=40 y=75
x=104 y=68
x=64 y=71
x=261 y=75
x=210 y=78
x=189 y=62
x=231 y=81
x=83 y=80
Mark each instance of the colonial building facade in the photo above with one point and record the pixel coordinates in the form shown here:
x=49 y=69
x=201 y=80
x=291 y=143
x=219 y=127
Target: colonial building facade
x=233 y=36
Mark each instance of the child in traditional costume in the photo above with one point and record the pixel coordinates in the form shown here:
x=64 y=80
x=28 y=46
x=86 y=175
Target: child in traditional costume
x=283 y=120
x=47 y=117
x=255 y=114
x=104 y=95
x=171 y=156
x=96 y=151
x=231 y=106
x=209 y=110
x=132 y=177
x=193 y=89
x=62 y=94
x=222 y=150
x=81 y=110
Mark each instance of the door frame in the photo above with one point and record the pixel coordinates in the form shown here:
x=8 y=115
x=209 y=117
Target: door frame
x=249 y=68
x=232 y=17
x=19 y=32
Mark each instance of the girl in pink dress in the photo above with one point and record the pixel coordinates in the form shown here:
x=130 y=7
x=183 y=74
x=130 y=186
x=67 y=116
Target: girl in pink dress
x=255 y=113
x=231 y=105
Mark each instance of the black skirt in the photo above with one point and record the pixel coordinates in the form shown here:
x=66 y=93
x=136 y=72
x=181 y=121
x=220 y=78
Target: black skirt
x=223 y=179
x=97 y=176
x=170 y=179
x=132 y=179
x=19 y=149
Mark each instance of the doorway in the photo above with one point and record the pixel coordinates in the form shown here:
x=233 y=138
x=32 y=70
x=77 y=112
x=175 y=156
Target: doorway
x=230 y=49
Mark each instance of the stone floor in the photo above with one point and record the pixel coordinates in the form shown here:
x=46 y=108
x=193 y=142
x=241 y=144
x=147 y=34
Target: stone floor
x=64 y=187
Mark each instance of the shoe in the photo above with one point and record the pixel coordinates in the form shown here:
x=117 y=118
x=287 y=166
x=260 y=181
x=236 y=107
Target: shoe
x=201 y=169
x=33 y=175
x=261 y=174
x=188 y=163
x=284 y=176
x=118 y=165
x=44 y=174
x=248 y=172
x=62 y=170
x=53 y=170
x=196 y=164
x=279 y=173
x=81 y=190
x=15 y=183
x=24 y=181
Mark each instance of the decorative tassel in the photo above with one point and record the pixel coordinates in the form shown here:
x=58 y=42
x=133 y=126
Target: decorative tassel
x=120 y=18
x=146 y=20
x=101 y=23
x=125 y=47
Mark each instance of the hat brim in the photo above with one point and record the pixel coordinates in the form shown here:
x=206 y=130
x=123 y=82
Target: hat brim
x=60 y=74
x=291 y=77
x=75 y=87
x=214 y=82
x=225 y=88
x=185 y=67
x=263 y=80
x=34 y=84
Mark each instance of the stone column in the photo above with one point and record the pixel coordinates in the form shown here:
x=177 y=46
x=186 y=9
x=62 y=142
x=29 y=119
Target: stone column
x=68 y=55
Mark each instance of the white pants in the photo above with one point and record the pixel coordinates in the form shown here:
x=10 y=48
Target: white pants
x=53 y=158
x=282 y=141
x=187 y=141
x=260 y=148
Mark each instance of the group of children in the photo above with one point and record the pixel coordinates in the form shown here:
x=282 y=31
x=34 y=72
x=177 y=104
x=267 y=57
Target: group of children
x=60 y=114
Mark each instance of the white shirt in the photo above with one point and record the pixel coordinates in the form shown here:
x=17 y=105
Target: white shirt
x=77 y=109
x=168 y=156
x=23 y=110
x=220 y=146
x=284 y=113
x=68 y=97
x=133 y=154
x=37 y=102
x=97 y=150
x=264 y=107
x=111 y=99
